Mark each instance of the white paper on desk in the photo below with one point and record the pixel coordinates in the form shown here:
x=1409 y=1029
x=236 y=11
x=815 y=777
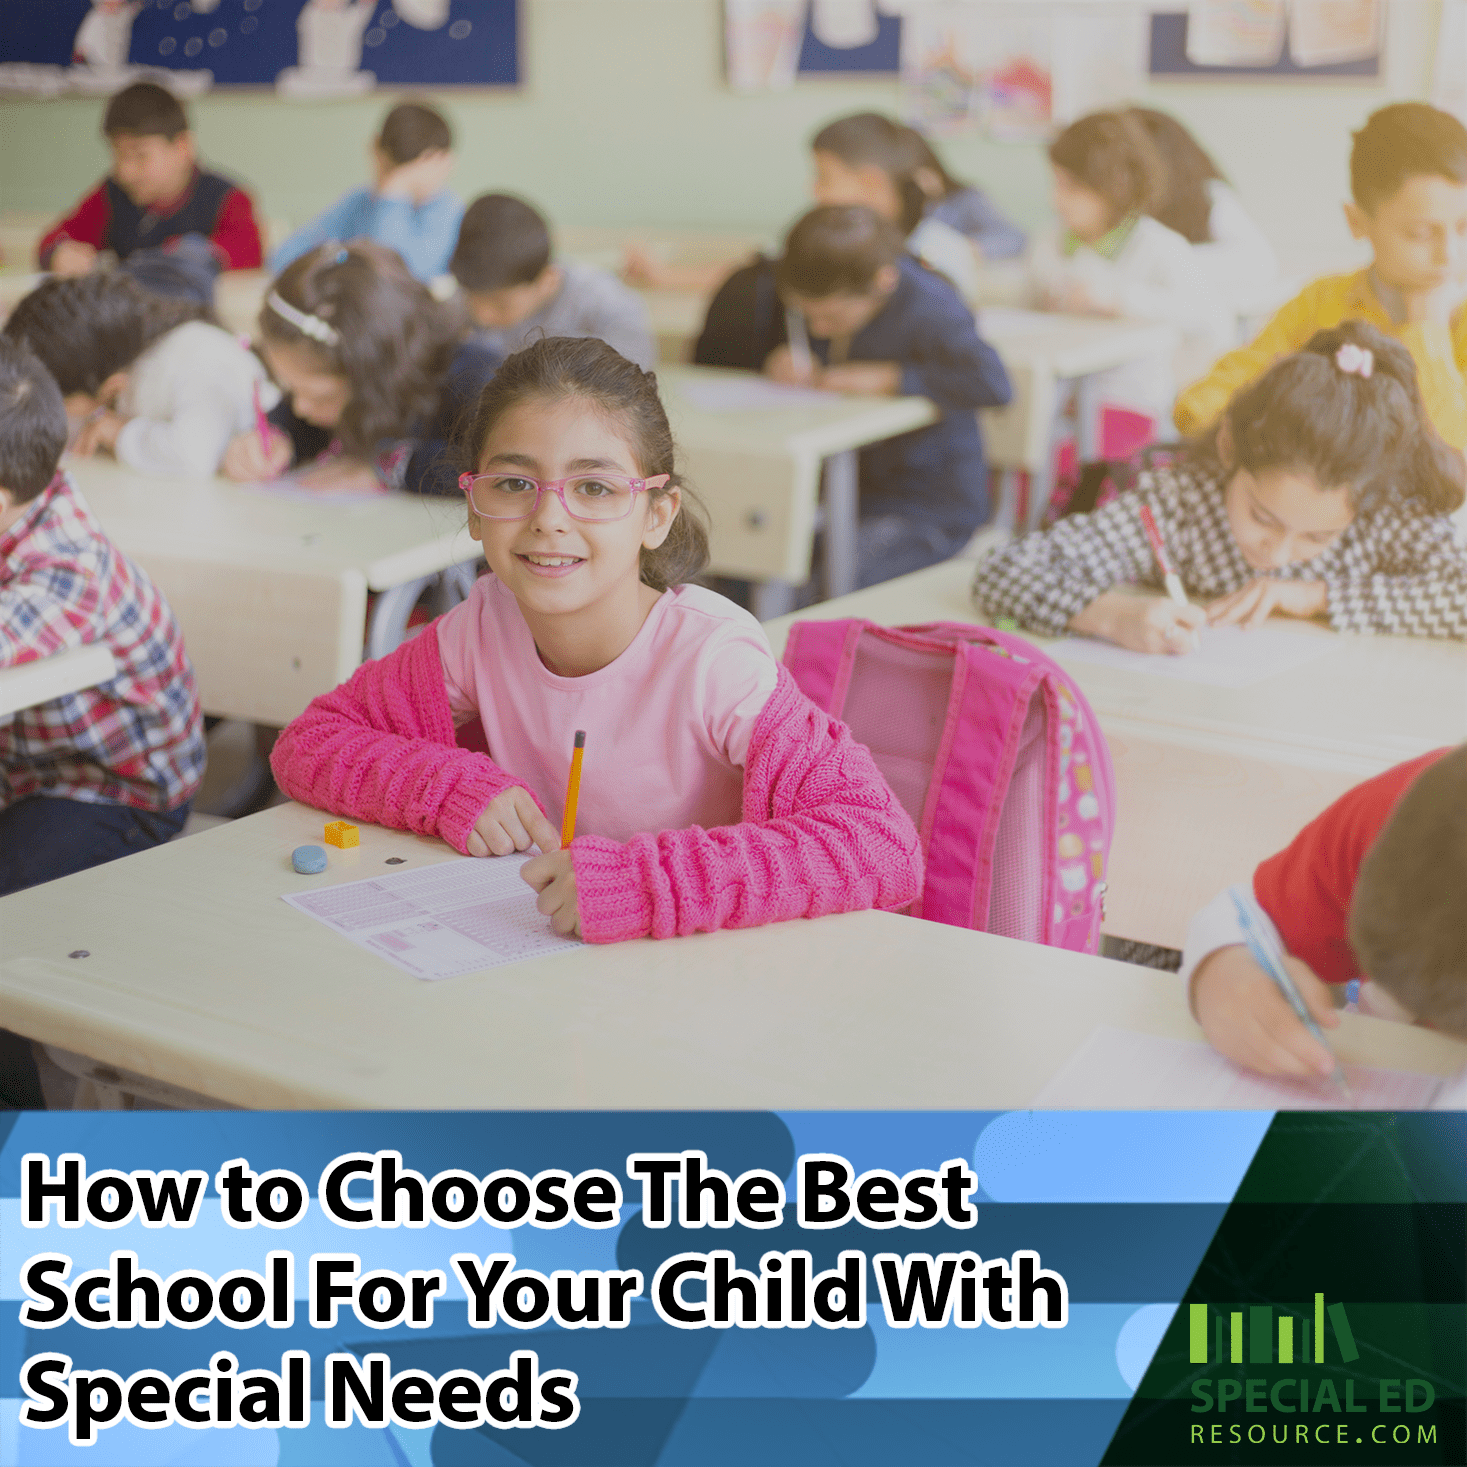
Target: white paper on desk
x=751 y=394
x=1117 y=1069
x=1229 y=657
x=439 y=921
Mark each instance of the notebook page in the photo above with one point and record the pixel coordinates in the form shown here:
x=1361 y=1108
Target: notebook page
x=1229 y=657
x=1117 y=1069
x=439 y=921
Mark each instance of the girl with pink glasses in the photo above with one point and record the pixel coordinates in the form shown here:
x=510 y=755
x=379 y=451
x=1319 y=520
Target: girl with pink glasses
x=713 y=793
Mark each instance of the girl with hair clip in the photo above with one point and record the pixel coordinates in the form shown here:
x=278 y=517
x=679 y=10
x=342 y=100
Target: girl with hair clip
x=714 y=794
x=149 y=378
x=1324 y=491
x=375 y=371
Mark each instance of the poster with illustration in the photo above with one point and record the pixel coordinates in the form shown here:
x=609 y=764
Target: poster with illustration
x=300 y=48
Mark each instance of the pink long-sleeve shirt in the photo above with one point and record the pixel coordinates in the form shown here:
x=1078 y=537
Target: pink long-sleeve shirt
x=821 y=831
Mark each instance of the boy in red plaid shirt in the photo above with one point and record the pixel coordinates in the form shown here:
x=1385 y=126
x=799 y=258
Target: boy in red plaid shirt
x=109 y=770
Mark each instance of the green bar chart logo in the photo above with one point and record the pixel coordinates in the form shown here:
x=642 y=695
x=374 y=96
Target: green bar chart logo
x=1280 y=1338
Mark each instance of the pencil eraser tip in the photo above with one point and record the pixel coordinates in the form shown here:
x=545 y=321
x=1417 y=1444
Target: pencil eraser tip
x=580 y=738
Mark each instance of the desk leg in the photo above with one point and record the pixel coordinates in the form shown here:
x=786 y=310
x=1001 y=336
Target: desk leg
x=842 y=508
x=1041 y=486
x=1087 y=420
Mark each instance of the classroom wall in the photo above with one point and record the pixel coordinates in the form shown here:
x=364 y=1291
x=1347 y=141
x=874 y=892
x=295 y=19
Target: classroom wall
x=624 y=119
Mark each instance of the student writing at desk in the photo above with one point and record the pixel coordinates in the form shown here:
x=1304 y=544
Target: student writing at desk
x=1371 y=889
x=1324 y=491
x=715 y=794
x=885 y=326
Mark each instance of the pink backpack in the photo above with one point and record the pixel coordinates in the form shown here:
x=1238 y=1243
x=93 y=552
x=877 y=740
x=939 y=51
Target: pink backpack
x=995 y=755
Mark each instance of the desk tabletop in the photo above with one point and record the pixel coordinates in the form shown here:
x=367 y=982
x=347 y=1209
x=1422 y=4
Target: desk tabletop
x=388 y=538
x=1071 y=346
x=808 y=426
x=197 y=974
x=1369 y=703
x=29 y=683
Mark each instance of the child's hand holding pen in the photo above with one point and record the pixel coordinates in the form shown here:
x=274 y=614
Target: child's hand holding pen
x=1246 y=1018
x=99 y=430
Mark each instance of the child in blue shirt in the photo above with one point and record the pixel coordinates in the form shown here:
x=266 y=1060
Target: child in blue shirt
x=881 y=325
x=407 y=210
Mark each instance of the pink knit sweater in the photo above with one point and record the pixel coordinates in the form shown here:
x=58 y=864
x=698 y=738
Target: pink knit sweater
x=821 y=831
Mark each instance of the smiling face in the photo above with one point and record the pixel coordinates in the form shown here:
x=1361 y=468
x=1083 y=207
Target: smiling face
x=318 y=397
x=1281 y=517
x=1419 y=233
x=556 y=565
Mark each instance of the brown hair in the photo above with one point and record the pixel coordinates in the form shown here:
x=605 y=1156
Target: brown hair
x=502 y=242
x=89 y=326
x=868 y=139
x=565 y=367
x=1405 y=141
x=32 y=422
x=144 y=110
x=1185 y=204
x=393 y=344
x=1371 y=433
x=837 y=250
x=412 y=129
x=1111 y=153
x=1406 y=919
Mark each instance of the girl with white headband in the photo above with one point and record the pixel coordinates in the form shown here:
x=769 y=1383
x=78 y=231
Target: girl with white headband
x=374 y=371
x=1323 y=492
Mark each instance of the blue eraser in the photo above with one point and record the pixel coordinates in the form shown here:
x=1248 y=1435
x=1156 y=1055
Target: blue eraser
x=308 y=860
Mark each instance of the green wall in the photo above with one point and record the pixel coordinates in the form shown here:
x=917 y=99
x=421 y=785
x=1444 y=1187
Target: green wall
x=625 y=119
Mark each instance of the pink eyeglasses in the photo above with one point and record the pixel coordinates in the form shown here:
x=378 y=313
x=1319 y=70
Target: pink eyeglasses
x=582 y=496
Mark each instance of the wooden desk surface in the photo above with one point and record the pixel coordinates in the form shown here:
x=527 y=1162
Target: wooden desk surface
x=1071 y=346
x=30 y=683
x=1368 y=704
x=758 y=470
x=271 y=592
x=199 y=975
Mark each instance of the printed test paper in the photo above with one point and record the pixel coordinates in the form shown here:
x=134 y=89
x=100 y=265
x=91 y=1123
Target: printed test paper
x=440 y=921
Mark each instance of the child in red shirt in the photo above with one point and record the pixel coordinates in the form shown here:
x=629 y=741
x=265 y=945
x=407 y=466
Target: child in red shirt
x=1372 y=888
x=156 y=193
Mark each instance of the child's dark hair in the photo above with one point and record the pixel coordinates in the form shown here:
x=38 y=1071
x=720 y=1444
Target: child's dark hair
x=144 y=110
x=86 y=328
x=384 y=333
x=1309 y=415
x=1401 y=142
x=1185 y=204
x=866 y=139
x=926 y=156
x=412 y=129
x=837 y=249
x=32 y=422
x=1406 y=923
x=1111 y=153
x=502 y=242
x=564 y=367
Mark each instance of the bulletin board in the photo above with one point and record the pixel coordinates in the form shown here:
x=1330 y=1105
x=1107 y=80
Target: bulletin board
x=1170 y=60
x=304 y=48
x=881 y=56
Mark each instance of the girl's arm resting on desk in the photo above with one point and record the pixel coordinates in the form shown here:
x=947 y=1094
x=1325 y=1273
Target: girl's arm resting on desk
x=381 y=748
x=821 y=833
x=1046 y=580
x=1418 y=587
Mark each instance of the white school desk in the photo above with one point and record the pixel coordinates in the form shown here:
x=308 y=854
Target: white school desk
x=29 y=683
x=200 y=978
x=759 y=472
x=1210 y=780
x=271 y=592
x=1043 y=351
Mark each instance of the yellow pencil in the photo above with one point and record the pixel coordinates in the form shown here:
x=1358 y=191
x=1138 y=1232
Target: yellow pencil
x=572 y=792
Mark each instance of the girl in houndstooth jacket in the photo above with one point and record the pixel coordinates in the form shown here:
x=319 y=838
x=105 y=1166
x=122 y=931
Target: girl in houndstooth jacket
x=1324 y=491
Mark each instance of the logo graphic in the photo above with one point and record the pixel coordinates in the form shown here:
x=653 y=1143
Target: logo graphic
x=1261 y=1335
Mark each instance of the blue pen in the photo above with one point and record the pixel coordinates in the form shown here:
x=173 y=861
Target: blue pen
x=1272 y=963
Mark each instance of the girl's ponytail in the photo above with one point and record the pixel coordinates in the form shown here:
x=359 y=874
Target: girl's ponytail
x=1347 y=409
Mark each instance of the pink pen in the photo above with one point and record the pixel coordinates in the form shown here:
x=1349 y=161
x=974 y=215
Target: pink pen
x=1170 y=578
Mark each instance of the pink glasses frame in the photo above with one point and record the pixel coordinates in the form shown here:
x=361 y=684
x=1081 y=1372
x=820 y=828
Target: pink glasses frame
x=466 y=482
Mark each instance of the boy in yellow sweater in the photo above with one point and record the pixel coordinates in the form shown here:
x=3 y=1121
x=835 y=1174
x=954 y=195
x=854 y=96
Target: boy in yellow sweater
x=1408 y=175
